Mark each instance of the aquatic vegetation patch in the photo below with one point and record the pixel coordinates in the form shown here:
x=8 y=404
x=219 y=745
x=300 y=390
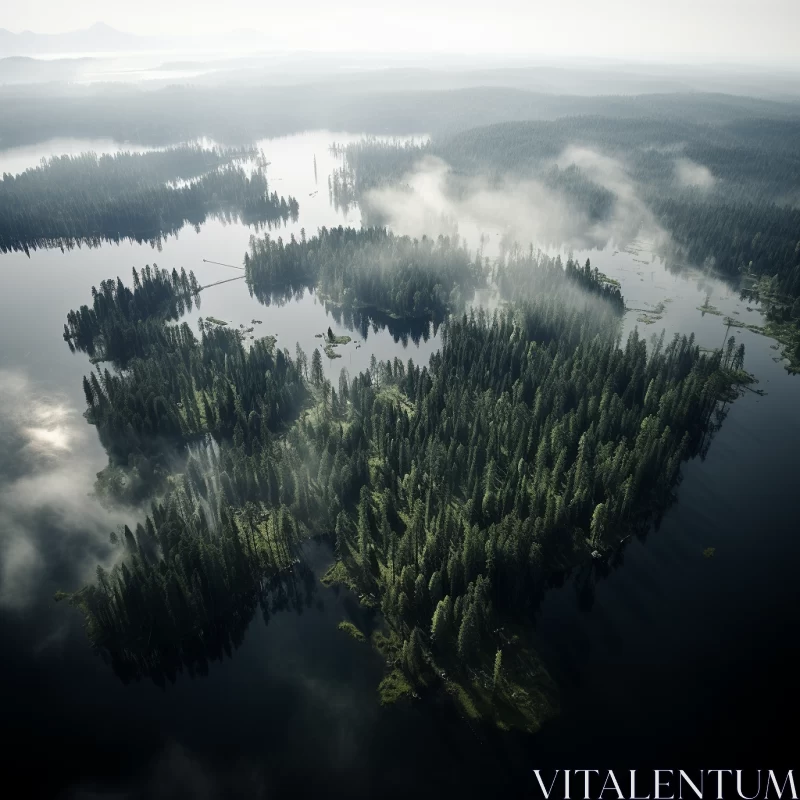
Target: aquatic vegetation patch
x=337 y=575
x=334 y=340
x=610 y=281
x=394 y=687
x=352 y=631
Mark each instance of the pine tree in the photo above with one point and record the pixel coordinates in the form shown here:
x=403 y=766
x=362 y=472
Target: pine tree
x=414 y=656
x=469 y=635
x=498 y=667
x=316 y=368
x=599 y=522
x=442 y=622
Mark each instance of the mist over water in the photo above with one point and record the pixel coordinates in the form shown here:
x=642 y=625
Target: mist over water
x=495 y=212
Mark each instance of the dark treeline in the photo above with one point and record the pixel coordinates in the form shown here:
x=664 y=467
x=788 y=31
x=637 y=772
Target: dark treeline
x=368 y=267
x=761 y=240
x=131 y=195
x=452 y=490
x=119 y=170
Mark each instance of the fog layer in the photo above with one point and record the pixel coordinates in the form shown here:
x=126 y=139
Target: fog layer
x=432 y=200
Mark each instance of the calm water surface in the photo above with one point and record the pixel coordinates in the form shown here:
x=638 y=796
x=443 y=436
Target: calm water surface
x=664 y=657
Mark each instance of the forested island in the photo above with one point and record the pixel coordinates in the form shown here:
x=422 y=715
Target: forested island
x=367 y=268
x=140 y=196
x=533 y=440
x=123 y=323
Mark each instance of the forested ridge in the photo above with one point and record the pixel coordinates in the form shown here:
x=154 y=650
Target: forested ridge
x=243 y=114
x=451 y=490
x=367 y=267
x=142 y=196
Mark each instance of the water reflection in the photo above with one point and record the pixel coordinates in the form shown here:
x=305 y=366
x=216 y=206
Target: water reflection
x=258 y=221
x=360 y=320
x=51 y=534
x=416 y=330
x=294 y=590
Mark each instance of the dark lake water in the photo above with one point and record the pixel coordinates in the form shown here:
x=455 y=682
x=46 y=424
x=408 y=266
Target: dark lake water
x=664 y=658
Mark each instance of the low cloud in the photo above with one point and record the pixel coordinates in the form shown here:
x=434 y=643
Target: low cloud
x=431 y=200
x=52 y=531
x=690 y=174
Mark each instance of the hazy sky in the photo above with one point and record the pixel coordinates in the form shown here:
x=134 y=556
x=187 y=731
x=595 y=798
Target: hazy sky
x=707 y=30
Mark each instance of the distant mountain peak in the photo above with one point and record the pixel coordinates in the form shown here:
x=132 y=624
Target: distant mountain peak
x=102 y=27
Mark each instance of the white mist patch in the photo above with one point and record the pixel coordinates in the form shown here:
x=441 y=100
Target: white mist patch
x=426 y=205
x=630 y=215
x=51 y=529
x=689 y=174
x=432 y=201
x=49 y=439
